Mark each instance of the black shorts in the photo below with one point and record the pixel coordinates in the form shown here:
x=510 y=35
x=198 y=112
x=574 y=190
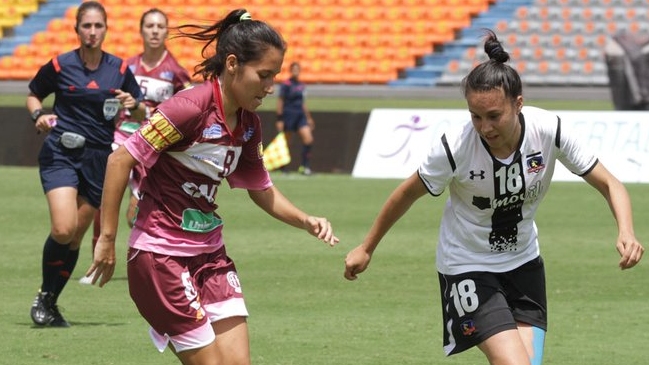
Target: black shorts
x=81 y=168
x=477 y=305
x=293 y=121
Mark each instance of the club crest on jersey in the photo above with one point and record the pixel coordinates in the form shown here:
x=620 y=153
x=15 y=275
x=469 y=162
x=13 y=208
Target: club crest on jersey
x=535 y=163
x=467 y=327
x=213 y=132
x=233 y=280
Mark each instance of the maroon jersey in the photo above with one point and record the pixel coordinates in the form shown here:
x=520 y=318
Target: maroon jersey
x=157 y=84
x=188 y=151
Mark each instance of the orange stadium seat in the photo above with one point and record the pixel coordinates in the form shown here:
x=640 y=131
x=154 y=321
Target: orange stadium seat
x=384 y=36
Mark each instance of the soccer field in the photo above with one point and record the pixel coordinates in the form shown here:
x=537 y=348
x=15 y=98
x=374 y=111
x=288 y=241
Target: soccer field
x=303 y=312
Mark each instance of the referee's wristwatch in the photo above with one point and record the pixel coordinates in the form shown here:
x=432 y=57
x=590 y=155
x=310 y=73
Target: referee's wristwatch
x=37 y=114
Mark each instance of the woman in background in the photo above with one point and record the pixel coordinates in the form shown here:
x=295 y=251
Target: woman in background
x=294 y=116
x=90 y=87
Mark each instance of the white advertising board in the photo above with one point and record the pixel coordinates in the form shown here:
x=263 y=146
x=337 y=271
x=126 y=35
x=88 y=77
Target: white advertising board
x=396 y=141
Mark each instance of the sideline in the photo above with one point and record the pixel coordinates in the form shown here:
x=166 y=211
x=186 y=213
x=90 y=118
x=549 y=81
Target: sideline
x=602 y=93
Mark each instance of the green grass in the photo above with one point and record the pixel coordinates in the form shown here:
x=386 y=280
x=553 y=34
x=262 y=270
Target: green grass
x=361 y=104
x=304 y=312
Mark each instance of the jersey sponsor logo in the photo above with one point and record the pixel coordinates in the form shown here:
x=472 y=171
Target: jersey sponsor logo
x=160 y=133
x=215 y=131
x=248 y=134
x=129 y=127
x=473 y=175
x=207 y=191
x=195 y=220
x=535 y=163
x=92 y=85
x=531 y=194
x=233 y=280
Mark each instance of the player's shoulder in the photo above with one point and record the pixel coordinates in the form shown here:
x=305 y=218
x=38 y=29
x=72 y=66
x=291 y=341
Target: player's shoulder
x=458 y=132
x=67 y=58
x=170 y=58
x=198 y=97
x=134 y=60
x=114 y=62
x=535 y=114
x=537 y=119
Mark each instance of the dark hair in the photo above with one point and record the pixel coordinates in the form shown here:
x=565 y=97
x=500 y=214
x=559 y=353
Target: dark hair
x=153 y=11
x=236 y=34
x=493 y=73
x=85 y=6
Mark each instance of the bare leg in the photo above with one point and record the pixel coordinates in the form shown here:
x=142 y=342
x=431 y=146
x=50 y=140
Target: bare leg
x=231 y=346
x=505 y=348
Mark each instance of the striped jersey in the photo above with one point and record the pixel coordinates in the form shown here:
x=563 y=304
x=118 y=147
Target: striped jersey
x=488 y=220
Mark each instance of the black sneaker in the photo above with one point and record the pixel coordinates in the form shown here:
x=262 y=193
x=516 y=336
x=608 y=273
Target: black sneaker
x=45 y=312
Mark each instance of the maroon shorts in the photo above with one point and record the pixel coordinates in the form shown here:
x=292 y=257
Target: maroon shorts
x=181 y=296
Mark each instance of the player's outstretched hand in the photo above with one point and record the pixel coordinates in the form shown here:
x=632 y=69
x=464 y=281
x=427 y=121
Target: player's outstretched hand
x=321 y=228
x=356 y=262
x=103 y=264
x=631 y=251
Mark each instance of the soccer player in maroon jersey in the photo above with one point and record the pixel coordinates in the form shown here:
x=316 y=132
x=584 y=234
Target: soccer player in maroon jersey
x=159 y=75
x=180 y=277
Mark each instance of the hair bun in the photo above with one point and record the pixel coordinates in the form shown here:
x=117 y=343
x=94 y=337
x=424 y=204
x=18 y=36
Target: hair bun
x=496 y=52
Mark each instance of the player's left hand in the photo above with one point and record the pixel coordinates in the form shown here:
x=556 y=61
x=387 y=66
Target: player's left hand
x=631 y=251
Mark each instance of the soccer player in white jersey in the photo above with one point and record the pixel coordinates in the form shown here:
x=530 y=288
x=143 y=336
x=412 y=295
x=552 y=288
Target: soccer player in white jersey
x=179 y=275
x=497 y=169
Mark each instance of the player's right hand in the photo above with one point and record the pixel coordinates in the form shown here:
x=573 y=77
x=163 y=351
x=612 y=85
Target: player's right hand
x=356 y=262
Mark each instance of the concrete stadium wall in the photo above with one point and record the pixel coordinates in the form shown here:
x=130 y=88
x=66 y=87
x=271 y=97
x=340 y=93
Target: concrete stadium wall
x=337 y=139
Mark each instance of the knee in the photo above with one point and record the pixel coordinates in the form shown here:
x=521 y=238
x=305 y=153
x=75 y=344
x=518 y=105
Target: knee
x=63 y=234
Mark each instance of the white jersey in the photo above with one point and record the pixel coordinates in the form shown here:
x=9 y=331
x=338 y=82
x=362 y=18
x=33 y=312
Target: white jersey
x=488 y=221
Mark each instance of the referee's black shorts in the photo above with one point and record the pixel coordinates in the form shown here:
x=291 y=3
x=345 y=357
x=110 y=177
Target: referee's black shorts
x=82 y=168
